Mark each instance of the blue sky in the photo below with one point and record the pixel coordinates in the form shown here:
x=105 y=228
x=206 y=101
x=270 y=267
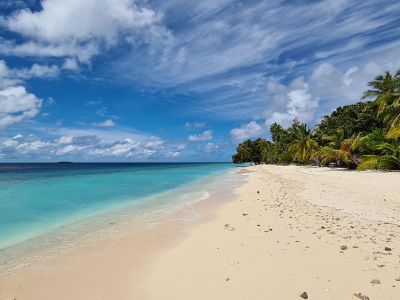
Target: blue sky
x=173 y=80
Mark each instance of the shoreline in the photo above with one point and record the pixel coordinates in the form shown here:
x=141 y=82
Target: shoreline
x=284 y=231
x=102 y=262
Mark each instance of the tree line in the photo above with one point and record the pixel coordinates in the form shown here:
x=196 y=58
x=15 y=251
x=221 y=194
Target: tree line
x=359 y=136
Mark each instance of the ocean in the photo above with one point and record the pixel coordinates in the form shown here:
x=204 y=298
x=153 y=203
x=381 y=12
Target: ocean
x=36 y=199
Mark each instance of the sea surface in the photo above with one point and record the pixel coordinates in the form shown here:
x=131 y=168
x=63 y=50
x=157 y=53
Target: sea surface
x=36 y=199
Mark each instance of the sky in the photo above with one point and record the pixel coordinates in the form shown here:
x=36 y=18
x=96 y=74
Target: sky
x=175 y=80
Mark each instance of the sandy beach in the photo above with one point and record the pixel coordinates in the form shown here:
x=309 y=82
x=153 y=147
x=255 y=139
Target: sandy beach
x=287 y=231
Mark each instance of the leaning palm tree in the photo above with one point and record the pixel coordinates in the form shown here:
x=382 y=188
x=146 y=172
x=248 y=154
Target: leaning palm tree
x=304 y=146
x=269 y=153
x=388 y=160
x=394 y=132
x=244 y=152
x=348 y=154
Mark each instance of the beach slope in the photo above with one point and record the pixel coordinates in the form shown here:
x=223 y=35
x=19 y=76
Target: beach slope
x=291 y=231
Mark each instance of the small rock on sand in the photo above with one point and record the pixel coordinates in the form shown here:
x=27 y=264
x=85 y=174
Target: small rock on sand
x=304 y=295
x=360 y=296
x=343 y=247
x=397 y=278
x=375 y=281
x=388 y=249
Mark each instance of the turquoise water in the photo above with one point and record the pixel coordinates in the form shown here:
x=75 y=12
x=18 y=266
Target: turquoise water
x=35 y=198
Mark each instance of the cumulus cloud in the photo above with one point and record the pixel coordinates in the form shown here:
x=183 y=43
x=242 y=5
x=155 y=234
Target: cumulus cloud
x=70 y=64
x=299 y=103
x=36 y=71
x=13 y=76
x=327 y=87
x=246 y=131
x=16 y=105
x=202 y=137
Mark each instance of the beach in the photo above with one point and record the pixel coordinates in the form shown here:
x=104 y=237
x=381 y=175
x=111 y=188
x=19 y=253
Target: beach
x=287 y=232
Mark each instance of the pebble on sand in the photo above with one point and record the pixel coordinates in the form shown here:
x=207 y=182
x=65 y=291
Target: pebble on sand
x=388 y=249
x=343 y=247
x=360 y=296
x=304 y=295
x=375 y=281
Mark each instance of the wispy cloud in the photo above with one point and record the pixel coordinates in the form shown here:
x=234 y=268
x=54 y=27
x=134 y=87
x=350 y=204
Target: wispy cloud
x=106 y=123
x=246 y=62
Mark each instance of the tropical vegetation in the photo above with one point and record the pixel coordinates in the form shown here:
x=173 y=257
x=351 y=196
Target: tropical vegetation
x=359 y=136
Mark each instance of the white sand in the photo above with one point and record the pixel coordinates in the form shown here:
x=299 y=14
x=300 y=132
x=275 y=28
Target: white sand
x=312 y=212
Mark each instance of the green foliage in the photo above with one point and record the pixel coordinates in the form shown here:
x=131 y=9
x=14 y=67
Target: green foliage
x=365 y=135
x=388 y=159
x=373 y=139
x=349 y=120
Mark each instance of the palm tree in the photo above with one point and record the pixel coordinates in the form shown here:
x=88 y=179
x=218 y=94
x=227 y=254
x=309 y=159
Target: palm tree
x=304 y=146
x=385 y=91
x=394 y=132
x=391 y=113
x=269 y=153
x=348 y=154
x=335 y=139
x=388 y=160
x=244 y=152
x=381 y=85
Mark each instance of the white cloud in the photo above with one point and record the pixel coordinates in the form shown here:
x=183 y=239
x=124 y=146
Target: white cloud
x=16 y=105
x=12 y=77
x=76 y=28
x=36 y=71
x=250 y=130
x=70 y=64
x=69 y=149
x=10 y=143
x=194 y=125
x=18 y=136
x=354 y=44
x=210 y=148
x=205 y=136
x=34 y=147
x=89 y=144
x=154 y=143
x=106 y=123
